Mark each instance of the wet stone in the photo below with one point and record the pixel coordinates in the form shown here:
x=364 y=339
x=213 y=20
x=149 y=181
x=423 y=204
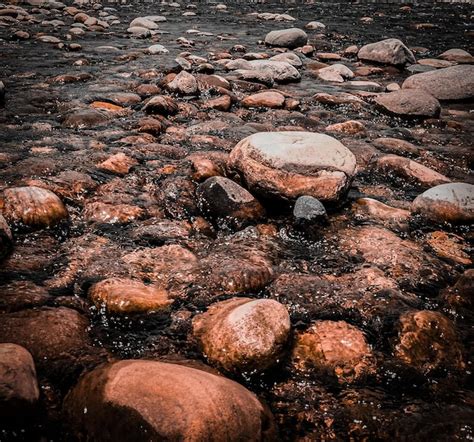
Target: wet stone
x=309 y=210
x=409 y=103
x=453 y=203
x=127 y=296
x=334 y=349
x=288 y=38
x=291 y=164
x=242 y=334
x=19 y=392
x=151 y=397
x=390 y=51
x=229 y=203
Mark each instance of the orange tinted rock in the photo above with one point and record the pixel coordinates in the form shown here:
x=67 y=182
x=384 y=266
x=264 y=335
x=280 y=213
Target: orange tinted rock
x=118 y=163
x=220 y=103
x=334 y=348
x=449 y=246
x=109 y=107
x=264 y=99
x=348 y=127
x=32 y=207
x=151 y=400
x=242 y=334
x=118 y=295
x=112 y=213
x=427 y=341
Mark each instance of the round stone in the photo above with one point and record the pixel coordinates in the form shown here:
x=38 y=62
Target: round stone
x=242 y=334
x=134 y=400
x=452 y=202
x=286 y=165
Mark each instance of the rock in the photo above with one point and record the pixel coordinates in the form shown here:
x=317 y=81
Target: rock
x=336 y=72
x=435 y=63
x=333 y=348
x=452 y=203
x=350 y=127
x=223 y=103
x=49 y=39
x=32 y=207
x=368 y=86
x=184 y=84
x=373 y=210
x=56 y=337
x=287 y=38
x=395 y=145
x=161 y=104
x=339 y=99
x=149 y=400
x=19 y=392
x=315 y=25
x=389 y=51
x=127 y=296
x=410 y=266
x=409 y=103
x=85 y=118
x=101 y=212
x=351 y=51
x=453 y=83
x=279 y=71
x=157 y=49
x=119 y=164
x=291 y=164
x=272 y=100
x=449 y=247
x=143 y=22
x=288 y=57
x=139 y=32
x=328 y=56
x=308 y=209
x=411 y=170
x=457 y=55
x=427 y=341
x=161 y=231
x=6 y=238
x=242 y=334
x=392 y=87
x=224 y=200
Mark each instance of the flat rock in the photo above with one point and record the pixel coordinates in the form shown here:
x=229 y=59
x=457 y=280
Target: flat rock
x=453 y=83
x=291 y=164
x=390 y=51
x=242 y=334
x=128 y=296
x=411 y=170
x=409 y=103
x=270 y=99
x=134 y=400
x=452 y=203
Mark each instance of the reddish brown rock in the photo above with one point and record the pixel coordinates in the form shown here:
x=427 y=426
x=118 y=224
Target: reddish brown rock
x=119 y=164
x=223 y=103
x=449 y=246
x=137 y=400
x=427 y=341
x=112 y=213
x=56 y=337
x=272 y=100
x=184 y=84
x=161 y=104
x=411 y=170
x=242 y=334
x=335 y=349
x=124 y=296
x=19 y=392
x=85 y=118
x=368 y=208
x=32 y=207
x=389 y=51
x=350 y=127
